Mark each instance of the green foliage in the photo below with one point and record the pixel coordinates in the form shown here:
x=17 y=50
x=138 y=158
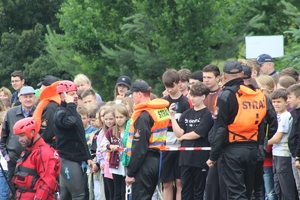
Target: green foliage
x=88 y=23
x=26 y=52
x=57 y=48
x=16 y=50
x=19 y=15
x=22 y=44
x=182 y=30
x=292 y=57
x=139 y=38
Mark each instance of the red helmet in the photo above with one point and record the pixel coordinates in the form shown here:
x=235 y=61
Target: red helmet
x=66 y=86
x=25 y=126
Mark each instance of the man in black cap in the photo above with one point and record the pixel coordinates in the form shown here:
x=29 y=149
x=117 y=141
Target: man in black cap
x=49 y=101
x=266 y=63
x=147 y=135
x=234 y=137
x=46 y=81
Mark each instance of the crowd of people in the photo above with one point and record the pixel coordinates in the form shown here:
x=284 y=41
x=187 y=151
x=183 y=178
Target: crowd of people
x=61 y=141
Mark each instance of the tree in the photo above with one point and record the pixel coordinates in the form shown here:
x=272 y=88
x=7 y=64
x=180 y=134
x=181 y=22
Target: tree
x=26 y=52
x=292 y=57
x=86 y=24
x=172 y=34
x=16 y=15
x=22 y=44
x=142 y=38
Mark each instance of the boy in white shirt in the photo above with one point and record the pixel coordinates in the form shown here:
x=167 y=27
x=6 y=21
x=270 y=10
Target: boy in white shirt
x=284 y=183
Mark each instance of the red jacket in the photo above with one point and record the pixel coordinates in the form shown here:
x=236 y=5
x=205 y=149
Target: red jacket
x=36 y=172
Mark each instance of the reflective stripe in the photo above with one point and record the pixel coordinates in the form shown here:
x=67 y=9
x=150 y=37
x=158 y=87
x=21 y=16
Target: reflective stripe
x=161 y=117
x=160 y=130
x=130 y=134
x=157 y=144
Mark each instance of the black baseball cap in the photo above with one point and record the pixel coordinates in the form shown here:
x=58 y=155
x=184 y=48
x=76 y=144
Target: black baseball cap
x=264 y=58
x=124 y=80
x=232 y=67
x=247 y=72
x=48 y=80
x=138 y=86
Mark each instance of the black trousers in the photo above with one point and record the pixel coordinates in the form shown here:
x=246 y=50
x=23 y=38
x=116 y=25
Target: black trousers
x=119 y=186
x=108 y=188
x=239 y=162
x=193 y=182
x=215 y=185
x=11 y=172
x=146 y=179
x=258 y=181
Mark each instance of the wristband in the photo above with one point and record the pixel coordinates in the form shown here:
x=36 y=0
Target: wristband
x=6 y=156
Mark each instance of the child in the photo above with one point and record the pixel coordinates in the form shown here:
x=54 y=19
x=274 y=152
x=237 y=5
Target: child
x=109 y=121
x=183 y=84
x=195 y=77
x=100 y=155
x=89 y=97
x=170 y=160
x=89 y=133
x=89 y=129
x=97 y=180
x=267 y=84
x=294 y=146
x=284 y=183
x=192 y=131
x=4 y=189
x=128 y=102
x=123 y=84
x=112 y=140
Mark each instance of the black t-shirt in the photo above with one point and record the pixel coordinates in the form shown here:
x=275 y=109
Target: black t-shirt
x=183 y=105
x=200 y=122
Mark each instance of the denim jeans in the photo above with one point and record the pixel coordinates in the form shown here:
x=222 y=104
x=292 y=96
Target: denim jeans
x=269 y=184
x=4 y=189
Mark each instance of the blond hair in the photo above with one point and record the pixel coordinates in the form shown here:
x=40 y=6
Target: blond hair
x=82 y=78
x=6 y=91
x=266 y=83
x=2 y=115
x=129 y=102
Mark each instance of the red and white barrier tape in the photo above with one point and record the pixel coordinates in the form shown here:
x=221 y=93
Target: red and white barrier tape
x=179 y=149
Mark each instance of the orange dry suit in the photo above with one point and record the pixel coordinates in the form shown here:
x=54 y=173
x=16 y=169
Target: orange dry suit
x=252 y=109
x=161 y=117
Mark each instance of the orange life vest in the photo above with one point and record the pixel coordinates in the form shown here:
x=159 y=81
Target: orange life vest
x=47 y=95
x=252 y=109
x=161 y=117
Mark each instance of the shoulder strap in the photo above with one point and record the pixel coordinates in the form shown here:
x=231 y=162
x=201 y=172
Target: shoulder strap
x=233 y=89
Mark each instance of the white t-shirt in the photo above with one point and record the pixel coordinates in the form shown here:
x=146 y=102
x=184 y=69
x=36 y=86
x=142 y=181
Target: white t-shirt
x=285 y=121
x=3 y=162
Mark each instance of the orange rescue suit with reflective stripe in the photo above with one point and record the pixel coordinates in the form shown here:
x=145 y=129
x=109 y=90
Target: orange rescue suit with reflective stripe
x=252 y=109
x=161 y=117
